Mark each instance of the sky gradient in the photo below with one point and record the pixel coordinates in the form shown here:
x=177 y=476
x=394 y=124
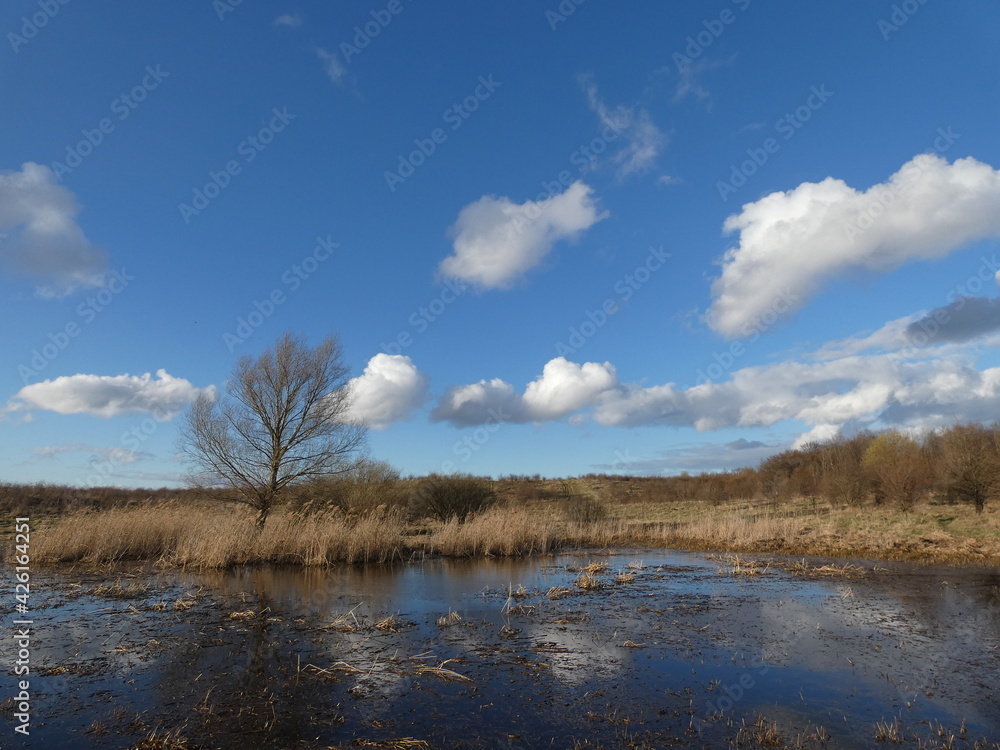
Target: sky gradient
x=558 y=238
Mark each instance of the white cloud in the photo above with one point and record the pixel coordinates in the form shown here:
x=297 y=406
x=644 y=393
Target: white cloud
x=291 y=20
x=480 y=403
x=643 y=140
x=332 y=65
x=883 y=389
x=797 y=240
x=390 y=390
x=109 y=396
x=497 y=241
x=41 y=239
x=563 y=388
x=912 y=389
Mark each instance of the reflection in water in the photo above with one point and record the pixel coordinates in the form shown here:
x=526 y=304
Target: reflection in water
x=281 y=657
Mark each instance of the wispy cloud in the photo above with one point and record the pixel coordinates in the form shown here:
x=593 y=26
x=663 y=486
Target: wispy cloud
x=291 y=20
x=97 y=454
x=697 y=457
x=334 y=69
x=643 y=140
x=689 y=80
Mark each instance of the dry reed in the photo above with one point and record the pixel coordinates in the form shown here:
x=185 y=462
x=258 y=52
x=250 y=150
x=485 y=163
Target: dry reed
x=214 y=535
x=218 y=537
x=497 y=532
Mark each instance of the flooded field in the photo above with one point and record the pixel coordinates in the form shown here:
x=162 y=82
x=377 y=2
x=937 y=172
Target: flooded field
x=632 y=649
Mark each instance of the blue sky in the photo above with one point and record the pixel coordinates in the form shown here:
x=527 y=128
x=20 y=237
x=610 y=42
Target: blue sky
x=554 y=238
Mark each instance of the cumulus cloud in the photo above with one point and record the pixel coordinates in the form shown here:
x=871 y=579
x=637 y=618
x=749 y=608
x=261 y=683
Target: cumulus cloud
x=643 y=140
x=41 y=239
x=497 y=241
x=563 y=388
x=334 y=69
x=164 y=397
x=890 y=389
x=877 y=389
x=390 y=390
x=791 y=243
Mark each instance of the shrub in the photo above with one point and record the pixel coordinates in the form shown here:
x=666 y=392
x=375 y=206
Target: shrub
x=584 y=509
x=454 y=496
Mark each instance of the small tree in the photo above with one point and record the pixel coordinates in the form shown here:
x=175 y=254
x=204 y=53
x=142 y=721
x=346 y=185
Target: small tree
x=283 y=421
x=897 y=469
x=971 y=464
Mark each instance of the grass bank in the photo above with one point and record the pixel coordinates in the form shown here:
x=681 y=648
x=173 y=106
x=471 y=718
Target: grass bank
x=213 y=535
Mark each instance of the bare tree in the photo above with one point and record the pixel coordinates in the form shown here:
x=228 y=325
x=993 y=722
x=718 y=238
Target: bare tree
x=284 y=420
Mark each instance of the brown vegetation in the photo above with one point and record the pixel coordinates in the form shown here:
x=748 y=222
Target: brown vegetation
x=885 y=497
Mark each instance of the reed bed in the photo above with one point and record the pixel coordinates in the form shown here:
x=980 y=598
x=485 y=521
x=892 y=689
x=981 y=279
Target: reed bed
x=496 y=532
x=219 y=537
x=215 y=535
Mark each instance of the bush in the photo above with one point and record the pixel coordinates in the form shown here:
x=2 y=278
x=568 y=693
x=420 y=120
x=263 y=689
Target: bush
x=584 y=509
x=454 y=496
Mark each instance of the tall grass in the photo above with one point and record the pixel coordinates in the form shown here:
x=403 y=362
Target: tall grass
x=495 y=532
x=218 y=537
x=212 y=535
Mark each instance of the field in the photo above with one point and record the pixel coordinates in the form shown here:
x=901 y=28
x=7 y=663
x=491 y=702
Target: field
x=179 y=528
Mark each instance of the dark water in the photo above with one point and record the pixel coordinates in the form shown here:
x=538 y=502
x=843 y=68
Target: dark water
x=683 y=656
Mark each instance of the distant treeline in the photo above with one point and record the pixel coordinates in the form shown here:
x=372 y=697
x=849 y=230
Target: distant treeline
x=957 y=465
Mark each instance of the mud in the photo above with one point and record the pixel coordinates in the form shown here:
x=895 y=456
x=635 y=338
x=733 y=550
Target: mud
x=634 y=649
